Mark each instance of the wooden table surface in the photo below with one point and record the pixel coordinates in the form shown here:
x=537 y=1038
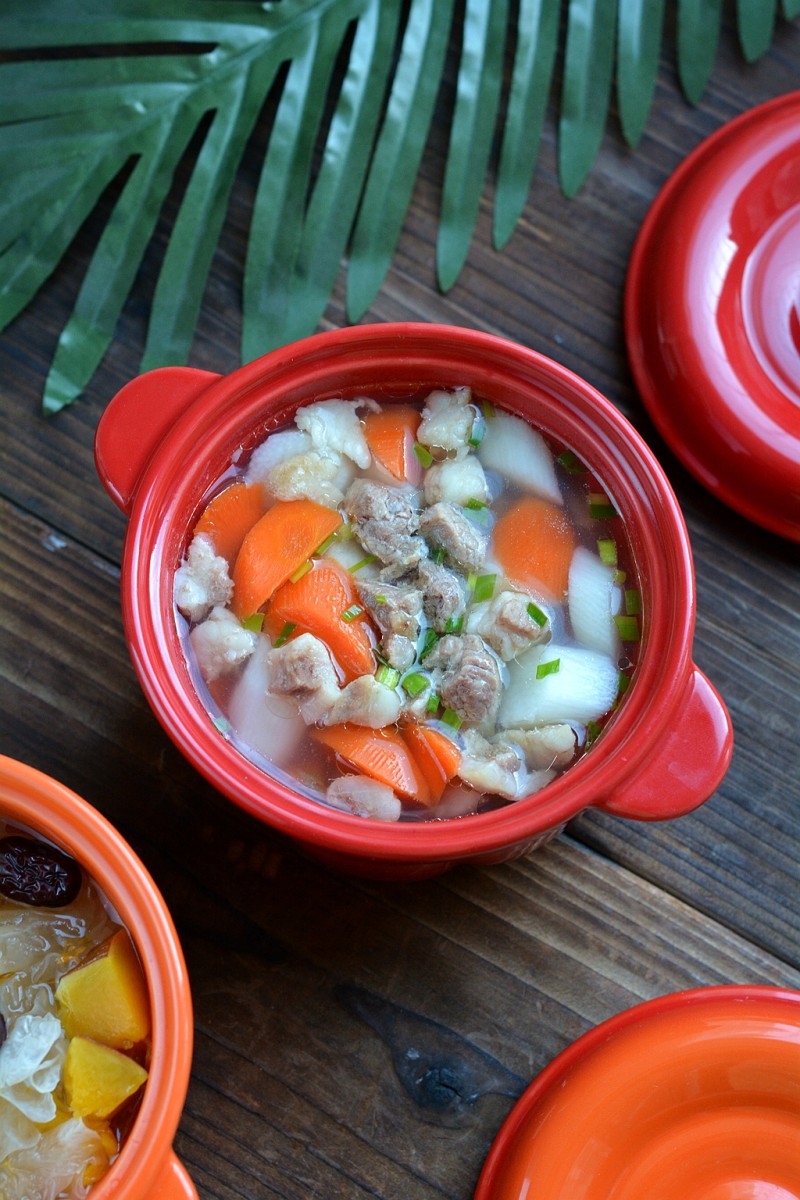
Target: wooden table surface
x=312 y=991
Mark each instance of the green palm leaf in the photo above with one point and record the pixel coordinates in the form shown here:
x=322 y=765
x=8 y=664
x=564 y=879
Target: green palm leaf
x=111 y=102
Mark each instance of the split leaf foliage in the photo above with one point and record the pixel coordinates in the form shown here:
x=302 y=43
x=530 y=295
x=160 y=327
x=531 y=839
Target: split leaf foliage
x=109 y=98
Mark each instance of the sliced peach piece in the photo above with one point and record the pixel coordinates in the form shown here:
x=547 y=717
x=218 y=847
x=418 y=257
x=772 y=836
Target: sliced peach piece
x=98 y=1079
x=105 y=996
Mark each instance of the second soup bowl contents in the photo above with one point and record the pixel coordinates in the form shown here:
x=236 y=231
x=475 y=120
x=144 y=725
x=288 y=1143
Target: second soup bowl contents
x=412 y=594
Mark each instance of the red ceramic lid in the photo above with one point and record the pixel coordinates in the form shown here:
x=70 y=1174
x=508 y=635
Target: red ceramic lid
x=695 y=1095
x=712 y=314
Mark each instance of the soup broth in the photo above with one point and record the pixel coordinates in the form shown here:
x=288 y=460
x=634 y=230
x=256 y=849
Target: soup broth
x=410 y=610
x=74 y=1024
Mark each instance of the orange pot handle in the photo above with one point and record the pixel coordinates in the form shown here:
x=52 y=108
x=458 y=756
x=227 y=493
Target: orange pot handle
x=687 y=765
x=173 y=1183
x=136 y=420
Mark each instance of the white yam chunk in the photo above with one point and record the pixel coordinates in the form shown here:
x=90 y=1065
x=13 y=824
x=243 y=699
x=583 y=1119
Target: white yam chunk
x=202 y=580
x=593 y=600
x=335 y=426
x=447 y=420
x=510 y=447
x=363 y=797
x=274 y=450
x=271 y=727
x=221 y=643
x=457 y=480
x=349 y=553
x=291 y=467
x=582 y=689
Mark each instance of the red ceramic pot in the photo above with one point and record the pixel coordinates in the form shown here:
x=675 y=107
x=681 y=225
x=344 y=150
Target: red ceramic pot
x=691 y=1094
x=146 y=1166
x=167 y=437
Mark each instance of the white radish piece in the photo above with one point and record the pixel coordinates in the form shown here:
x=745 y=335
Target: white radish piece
x=269 y=725
x=593 y=600
x=520 y=454
x=581 y=689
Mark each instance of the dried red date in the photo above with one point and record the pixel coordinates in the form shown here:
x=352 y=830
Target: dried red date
x=35 y=873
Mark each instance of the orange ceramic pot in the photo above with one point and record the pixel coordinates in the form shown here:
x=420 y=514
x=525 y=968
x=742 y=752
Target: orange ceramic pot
x=146 y=1168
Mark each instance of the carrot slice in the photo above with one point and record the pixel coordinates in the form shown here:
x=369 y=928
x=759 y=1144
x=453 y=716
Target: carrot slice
x=317 y=604
x=391 y=434
x=380 y=753
x=279 y=543
x=436 y=755
x=230 y=515
x=534 y=543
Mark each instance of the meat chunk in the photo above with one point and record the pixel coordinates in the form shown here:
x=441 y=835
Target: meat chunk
x=395 y=607
x=505 y=623
x=545 y=747
x=221 y=644
x=458 y=480
x=386 y=522
x=488 y=768
x=399 y=652
x=470 y=680
x=364 y=702
x=302 y=671
x=363 y=797
x=447 y=419
x=201 y=581
x=443 y=595
x=445 y=527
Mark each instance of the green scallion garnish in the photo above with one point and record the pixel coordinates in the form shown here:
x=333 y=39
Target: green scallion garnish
x=620 y=576
x=593 y=731
x=438 y=556
x=254 y=623
x=380 y=599
x=600 y=507
x=623 y=684
x=478 y=433
x=551 y=667
x=484 y=588
x=536 y=614
x=454 y=625
x=628 y=628
x=474 y=504
x=570 y=462
x=285 y=634
x=350 y=614
x=633 y=602
x=323 y=546
x=488 y=409
x=415 y=683
x=607 y=549
x=423 y=454
x=344 y=532
x=370 y=558
x=451 y=718
x=388 y=676
x=428 y=642
x=302 y=570
x=433 y=703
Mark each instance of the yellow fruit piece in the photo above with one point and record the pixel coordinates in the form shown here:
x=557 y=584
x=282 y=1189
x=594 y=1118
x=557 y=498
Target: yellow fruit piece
x=97 y=1079
x=105 y=997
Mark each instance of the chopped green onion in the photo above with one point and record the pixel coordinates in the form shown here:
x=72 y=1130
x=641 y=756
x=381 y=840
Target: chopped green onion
x=624 y=683
x=423 y=454
x=254 y=622
x=380 y=599
x=439 y=555
x=607 y=548
x=362 y=563
x=476 y=504
x=428 y=642
x=536 y=614
x=593 y=731
x=600 y=507
x=323 y=546
x=454 y=625
x=415 y=683
x=633 y=603
x=284 y=634
x=478 y=434
x=451 y=718
x=620 y=576
x=479 y=512
x=484 y=588
x=433 y=703
x=388 y=676
x=222 y=724
x=344 y=532
x=350 y=614
x=488 y=409
x=570 y=462
x=301 y=571
x=551 y=667
x=628 y=628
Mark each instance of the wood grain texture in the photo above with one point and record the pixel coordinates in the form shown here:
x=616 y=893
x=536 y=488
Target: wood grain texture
x=361 y=1040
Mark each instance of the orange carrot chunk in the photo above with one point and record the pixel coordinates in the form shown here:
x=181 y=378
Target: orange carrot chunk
x=436 y=755
x=230 y=515
x=391 y=435
x=534 y=544
x=324 y=602
x=280 y=542
x=380 y=753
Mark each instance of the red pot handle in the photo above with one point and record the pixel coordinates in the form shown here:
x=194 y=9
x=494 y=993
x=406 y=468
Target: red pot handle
x=174 y=1183
x=689 y=763
x=135 y=422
